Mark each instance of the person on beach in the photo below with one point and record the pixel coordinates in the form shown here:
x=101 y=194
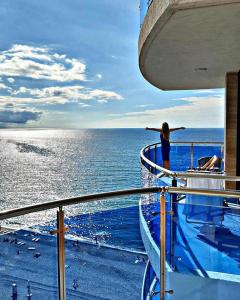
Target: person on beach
x=165 y=136
x=75 y=284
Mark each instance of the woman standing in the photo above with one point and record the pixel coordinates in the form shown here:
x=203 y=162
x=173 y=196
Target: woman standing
x=164 y=136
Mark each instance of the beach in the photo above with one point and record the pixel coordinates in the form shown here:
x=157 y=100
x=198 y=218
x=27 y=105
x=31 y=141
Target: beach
x=93 y=271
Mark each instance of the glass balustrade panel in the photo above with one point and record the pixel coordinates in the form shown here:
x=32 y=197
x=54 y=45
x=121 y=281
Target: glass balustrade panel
x=185 y=157
x=206 y=236
x=28 y=257
x=104 y=252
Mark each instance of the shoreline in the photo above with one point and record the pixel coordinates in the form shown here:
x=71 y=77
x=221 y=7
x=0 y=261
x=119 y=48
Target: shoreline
x=101 y=272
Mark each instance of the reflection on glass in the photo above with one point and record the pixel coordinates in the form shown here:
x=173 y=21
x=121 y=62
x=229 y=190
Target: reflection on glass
x=207 y=237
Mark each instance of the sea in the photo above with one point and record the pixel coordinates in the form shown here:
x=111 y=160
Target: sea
x=42 y=165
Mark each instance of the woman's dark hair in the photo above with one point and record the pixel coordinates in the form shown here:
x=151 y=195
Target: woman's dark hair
x=165 y=129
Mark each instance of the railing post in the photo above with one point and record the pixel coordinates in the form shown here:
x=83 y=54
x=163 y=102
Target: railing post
x=14 y=291
x=191 y=147
x=61 y=255
x=148 y=157
x=162 y=245
x=155 y=158
x=173 y=224
x=222 y=157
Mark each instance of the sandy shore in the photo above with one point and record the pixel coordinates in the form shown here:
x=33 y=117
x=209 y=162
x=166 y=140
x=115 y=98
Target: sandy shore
x=92 y=271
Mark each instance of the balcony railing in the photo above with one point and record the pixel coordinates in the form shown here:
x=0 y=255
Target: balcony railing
x=200 y=239
x=184 y=156
x=202 y=233
x=61 y=229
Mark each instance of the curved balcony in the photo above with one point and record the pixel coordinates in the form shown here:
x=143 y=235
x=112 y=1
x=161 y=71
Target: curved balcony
x=189 y=44
x=151 y=287
x=28 y=252
x=202 y=231
x=184 y=156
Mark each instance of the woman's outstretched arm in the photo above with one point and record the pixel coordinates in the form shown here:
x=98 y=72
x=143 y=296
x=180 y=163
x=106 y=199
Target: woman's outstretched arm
x=178 y=128
x=154 y=129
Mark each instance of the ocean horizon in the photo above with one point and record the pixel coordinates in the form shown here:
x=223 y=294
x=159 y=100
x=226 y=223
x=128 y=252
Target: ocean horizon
x=51 y=164
x=62 y=163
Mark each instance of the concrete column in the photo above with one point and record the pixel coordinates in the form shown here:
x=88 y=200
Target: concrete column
x=232 y=127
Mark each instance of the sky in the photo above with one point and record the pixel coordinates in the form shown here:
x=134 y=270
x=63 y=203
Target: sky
x=74 y=64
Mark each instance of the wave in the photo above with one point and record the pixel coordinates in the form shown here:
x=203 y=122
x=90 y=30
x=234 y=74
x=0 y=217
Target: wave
x=89 y=241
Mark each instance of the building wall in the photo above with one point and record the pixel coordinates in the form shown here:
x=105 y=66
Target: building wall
x=231 y=126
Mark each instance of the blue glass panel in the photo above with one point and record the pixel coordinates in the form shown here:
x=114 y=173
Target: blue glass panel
x=180 y=158
x=207 y=238
x=159 y=156
x=28 y=262
x=202 y=235
x=180 y=155
x=102 y=253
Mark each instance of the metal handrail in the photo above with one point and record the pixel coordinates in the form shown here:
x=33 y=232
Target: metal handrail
x=187 y=142
x=203 y=192
x=106 y=195
x=112 y=194
x=76 y=200
x=222 y=176
x=197 y=143
x=176 y=174
x=159 y=168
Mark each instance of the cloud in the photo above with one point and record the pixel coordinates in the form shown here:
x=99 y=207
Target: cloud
x=62 y=94
x=204 y=91
x=18 y=117
x=132 y=114
x=11 y=80
x=101 y=94
x=144 y=105
x=15 y=100
x=3 y=86
x=9 y=105
x=138 y=113
x=84 y=105
x=209 y=91
x=196 y=112
x=67 y=92
x=54 y=77
x=40 y=63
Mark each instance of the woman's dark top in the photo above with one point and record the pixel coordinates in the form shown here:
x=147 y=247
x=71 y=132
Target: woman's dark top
x=165 y=148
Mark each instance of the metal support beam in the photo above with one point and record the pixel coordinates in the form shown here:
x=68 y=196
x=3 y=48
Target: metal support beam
x=238 y=133
x=173 y=223
x=232 y=128
x=61 y=255
x=162 y=245
x=192 y=156
x=155 y=158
